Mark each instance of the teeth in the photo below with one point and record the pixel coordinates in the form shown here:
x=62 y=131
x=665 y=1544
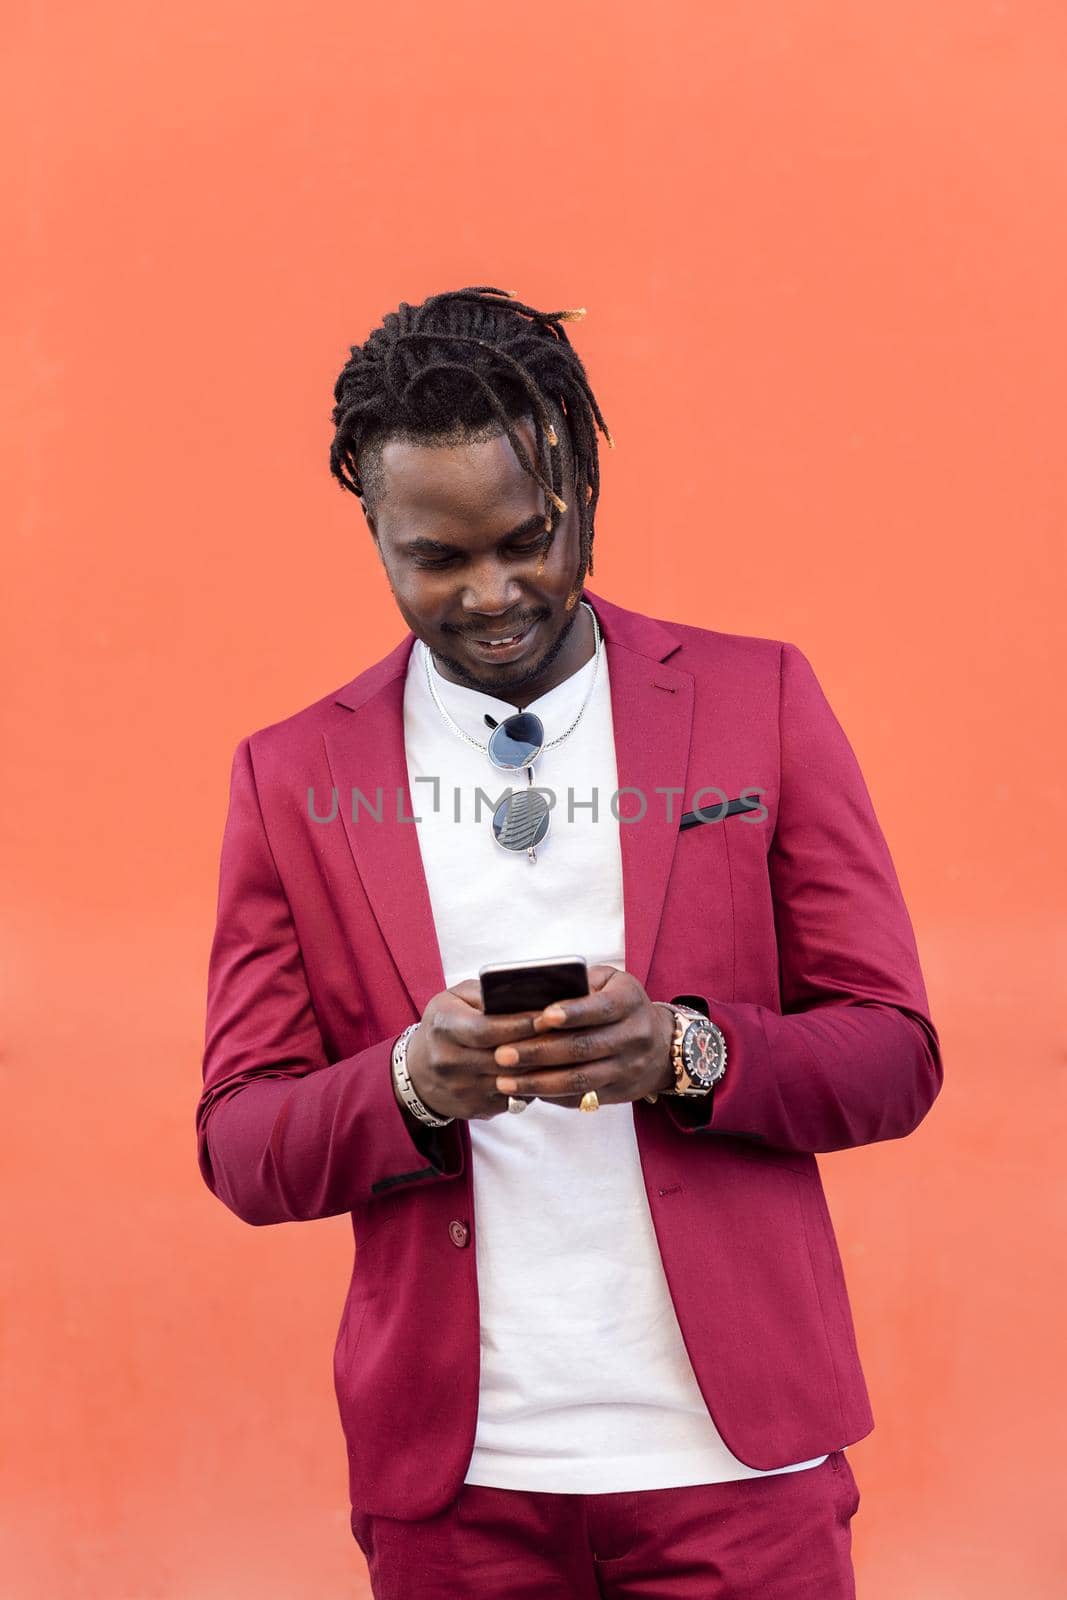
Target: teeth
x=510 y=640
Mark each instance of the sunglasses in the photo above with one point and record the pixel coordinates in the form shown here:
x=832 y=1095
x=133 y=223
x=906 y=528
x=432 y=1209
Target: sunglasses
x=521 y=820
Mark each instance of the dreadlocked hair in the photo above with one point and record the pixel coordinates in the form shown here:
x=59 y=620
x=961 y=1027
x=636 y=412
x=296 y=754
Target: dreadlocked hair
x=467 y=364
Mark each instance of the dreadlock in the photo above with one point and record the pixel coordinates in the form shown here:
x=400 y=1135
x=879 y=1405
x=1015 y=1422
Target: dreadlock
x=465 y=365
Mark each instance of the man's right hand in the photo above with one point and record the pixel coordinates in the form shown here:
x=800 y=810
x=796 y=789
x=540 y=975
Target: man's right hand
x=450 y=1057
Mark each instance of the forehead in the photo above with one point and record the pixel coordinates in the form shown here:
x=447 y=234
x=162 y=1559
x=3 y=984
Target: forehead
x=471 y=485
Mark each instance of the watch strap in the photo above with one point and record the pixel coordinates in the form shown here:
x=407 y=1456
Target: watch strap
x=683 y=1084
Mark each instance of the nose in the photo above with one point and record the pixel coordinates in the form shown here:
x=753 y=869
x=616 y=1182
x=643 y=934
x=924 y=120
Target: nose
x=492 y=593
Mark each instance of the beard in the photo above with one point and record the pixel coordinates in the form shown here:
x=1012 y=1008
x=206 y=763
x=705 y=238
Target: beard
x=504 y=685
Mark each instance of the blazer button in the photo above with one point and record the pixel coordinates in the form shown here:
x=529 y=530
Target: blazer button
x=459 y=1233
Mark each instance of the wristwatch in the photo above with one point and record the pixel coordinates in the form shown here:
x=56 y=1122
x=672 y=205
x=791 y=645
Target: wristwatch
x=698 y=1051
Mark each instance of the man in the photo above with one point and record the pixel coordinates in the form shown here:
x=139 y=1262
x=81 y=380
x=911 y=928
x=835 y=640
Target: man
x=597 y=1340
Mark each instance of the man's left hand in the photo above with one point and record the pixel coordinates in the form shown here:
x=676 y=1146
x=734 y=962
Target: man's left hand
x=614 y=1040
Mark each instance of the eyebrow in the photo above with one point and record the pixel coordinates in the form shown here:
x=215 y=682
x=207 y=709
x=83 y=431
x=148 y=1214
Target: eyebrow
x=423 y=546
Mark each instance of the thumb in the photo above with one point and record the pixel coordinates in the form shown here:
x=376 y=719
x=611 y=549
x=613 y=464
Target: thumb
x=470 y=991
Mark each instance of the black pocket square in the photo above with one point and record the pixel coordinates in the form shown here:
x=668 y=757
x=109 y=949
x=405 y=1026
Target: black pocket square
x=717 y=812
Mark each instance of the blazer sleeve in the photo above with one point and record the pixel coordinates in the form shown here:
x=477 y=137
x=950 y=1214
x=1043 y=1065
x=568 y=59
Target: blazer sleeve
x=853 y=1056
x=283 y=1134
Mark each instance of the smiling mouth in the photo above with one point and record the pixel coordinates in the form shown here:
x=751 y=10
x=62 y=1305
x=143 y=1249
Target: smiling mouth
x=501 y=647
x=503 y=638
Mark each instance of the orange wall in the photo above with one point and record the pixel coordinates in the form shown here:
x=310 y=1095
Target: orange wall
x=823 y=253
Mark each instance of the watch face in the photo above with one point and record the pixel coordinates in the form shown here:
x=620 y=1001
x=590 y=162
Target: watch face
x=704 y=1052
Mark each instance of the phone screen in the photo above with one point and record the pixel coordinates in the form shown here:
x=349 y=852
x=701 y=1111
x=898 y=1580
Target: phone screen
x=530 y=986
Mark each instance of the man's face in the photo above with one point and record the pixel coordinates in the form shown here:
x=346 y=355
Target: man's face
x=460 y=530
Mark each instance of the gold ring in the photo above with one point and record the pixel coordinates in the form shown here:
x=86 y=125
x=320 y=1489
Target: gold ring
x=589 y=1101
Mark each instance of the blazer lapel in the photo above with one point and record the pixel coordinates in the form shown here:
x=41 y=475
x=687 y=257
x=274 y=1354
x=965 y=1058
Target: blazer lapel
x=368 y=754
x=652 y=710
x=652 y=713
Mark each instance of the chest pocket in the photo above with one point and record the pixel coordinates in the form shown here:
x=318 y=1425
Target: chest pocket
x=717 y=811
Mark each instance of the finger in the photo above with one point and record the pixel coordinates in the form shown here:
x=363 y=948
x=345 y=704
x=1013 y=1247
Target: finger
x=613 y=994
x=475 y=1031
x=603 y=1076
x=471 y=1071
x=565 y=1048
x=510 y=1025
x=469 y=991
x=590 y=1010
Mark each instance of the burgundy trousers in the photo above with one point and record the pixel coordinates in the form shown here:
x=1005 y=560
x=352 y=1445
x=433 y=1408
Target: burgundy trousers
x=784 y=1537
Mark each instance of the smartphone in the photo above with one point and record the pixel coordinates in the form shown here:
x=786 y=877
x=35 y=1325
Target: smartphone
x=532 y=985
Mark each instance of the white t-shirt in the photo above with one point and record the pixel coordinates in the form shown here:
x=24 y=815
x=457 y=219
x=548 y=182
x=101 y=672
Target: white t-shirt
x=586 y=1386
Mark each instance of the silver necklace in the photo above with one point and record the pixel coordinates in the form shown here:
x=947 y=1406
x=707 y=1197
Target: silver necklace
x=552 y=742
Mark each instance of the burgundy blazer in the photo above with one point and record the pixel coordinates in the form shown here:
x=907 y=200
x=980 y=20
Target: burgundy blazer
x=787 y=921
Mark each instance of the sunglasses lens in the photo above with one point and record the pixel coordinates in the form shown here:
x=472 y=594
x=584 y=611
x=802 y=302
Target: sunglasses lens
x=521 y=821
x=516 y=741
